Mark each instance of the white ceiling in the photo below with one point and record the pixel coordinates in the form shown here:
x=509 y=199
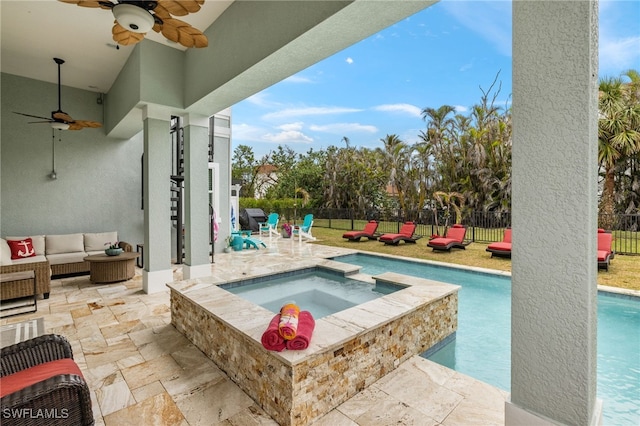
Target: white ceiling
x=34 y=32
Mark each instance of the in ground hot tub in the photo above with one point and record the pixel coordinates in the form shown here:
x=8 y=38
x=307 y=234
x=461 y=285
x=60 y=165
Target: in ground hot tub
x=317 y=290
x=350 y=349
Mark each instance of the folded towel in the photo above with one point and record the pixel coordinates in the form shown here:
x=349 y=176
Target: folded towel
x=289 y=321
x=271 y=338
x=306 y=324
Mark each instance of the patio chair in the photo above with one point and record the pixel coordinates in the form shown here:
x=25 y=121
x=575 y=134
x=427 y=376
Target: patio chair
x=40 y=376
x=406 y=234
x=270 y=227
x=605 y=251
x=454 y=238
x=369 y=232
x=304 y=230
x=501 y=248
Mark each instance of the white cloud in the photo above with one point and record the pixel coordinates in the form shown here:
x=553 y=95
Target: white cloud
x=617 y=55
x=412 y=110
x=466 y=67
x=261 y=99
x=297 y=79
x=307 y=111
x=288 y=137
x=342 y=128
x=291 y=126
x=491 y=20
x=349 y=60
x=285 y=134
x=460 y=108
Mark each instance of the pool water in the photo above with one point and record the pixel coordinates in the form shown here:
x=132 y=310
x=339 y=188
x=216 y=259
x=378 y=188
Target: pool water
x=321 y=293
x=482 y=347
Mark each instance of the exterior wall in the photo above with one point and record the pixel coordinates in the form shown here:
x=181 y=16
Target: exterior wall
x=98 y=186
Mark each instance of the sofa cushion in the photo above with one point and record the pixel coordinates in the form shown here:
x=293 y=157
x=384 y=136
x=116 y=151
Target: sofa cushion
x=99 y=241
x=16 y=276
x=57 y=259
x=5 y=252
x=38 y=258
x=21 y=248
x=36 y=374
x=67 y=243
x=38 y=242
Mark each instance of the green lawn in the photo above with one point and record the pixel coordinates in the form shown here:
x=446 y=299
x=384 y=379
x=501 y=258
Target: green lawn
x=623 y=271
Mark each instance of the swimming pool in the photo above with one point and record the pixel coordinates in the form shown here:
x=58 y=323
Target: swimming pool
x=482 y=347
x=319 y=292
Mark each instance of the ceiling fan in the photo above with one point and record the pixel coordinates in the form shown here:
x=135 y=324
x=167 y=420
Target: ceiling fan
x=135 y=18
x=59 y=119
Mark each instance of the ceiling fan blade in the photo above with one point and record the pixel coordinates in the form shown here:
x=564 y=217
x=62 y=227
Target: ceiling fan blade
x=62 y=116
x=180 y=8
x=183 y=33
x=33 y=116
x=89 y=3
x=123 y=36
x=39 y=122
x=85 y=123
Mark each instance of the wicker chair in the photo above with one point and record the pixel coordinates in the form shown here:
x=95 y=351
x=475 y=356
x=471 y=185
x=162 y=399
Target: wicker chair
x=62 y=399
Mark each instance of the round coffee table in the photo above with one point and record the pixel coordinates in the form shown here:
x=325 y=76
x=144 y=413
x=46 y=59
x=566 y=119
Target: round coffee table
x=111 y=269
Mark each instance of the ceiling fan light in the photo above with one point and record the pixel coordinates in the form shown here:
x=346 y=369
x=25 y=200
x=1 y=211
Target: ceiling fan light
x=133 y=18
x=59 y=126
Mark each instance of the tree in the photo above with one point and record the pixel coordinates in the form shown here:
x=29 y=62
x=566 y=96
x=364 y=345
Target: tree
x=618 y=136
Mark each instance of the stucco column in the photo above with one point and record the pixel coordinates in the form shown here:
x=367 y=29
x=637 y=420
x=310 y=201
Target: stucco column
x=222 y=156
x=157 y=206
x=196 y=205
x=554 y=292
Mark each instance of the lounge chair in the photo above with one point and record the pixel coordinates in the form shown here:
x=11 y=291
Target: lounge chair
x=369 y=232
x=304 y=230
x=501 y=248
x=40 y=376
x=270 y=227
x=406 y=234
x=605 y=251
x=454 y=238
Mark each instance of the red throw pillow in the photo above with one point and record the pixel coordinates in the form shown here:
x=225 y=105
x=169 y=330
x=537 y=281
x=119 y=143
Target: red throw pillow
x=21 y=248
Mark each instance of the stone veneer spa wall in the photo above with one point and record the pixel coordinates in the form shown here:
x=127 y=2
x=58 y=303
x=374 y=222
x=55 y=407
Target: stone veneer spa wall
x=349 y=351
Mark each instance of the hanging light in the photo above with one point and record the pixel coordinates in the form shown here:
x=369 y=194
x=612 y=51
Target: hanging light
x=53 y=175
x=133 y=18
x=58 y=125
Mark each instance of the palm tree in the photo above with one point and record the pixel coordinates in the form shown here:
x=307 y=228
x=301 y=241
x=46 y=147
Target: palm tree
x=618 y=135
x=447 y=202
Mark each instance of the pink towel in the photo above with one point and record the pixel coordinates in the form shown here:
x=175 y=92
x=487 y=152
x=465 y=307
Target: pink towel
x=271 y=338
x=306 y=324
x=289 y=321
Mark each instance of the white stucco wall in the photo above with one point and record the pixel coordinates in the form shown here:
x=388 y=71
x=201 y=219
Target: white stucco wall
x=554 y=210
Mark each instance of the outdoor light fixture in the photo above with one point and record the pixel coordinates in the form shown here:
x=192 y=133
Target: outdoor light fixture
x=57 y=125
x=133 y=18
x=53 y=175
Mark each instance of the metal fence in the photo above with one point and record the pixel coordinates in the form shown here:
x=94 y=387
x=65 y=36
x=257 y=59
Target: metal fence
x=483 y=227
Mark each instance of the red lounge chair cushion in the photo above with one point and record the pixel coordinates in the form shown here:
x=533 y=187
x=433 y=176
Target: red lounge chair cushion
x=442 y=241
x=407 y=230
x=369 y=229
x=603 y=255
x=500 y=246
x=30 y=376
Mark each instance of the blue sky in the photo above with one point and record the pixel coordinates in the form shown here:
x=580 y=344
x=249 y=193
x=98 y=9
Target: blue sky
x=441 y=55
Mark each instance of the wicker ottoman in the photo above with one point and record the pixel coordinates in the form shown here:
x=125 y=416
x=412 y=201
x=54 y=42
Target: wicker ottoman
x=111 y=269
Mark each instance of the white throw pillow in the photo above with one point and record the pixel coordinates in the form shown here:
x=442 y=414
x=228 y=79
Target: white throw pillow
x=5 y=252
x=98 y=241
